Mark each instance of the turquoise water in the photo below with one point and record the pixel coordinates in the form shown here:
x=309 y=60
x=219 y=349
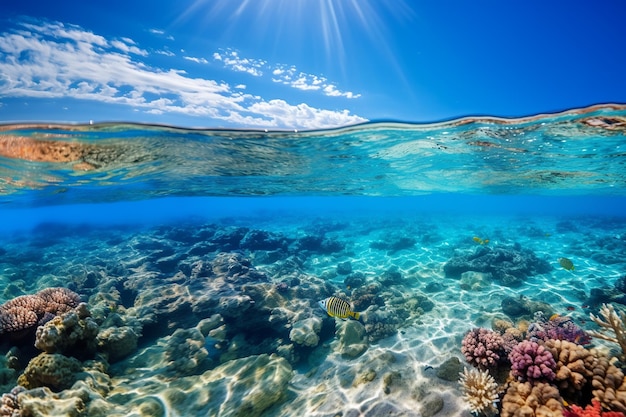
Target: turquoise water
x=202 y=254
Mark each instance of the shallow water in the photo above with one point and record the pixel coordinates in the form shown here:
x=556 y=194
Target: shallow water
x=213 y=248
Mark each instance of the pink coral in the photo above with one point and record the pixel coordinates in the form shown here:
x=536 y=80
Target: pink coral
x=58 y=300
x=531 y=361
x=483 y=348
x=27 y=311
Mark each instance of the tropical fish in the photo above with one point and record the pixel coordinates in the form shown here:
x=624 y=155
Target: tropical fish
x=566 y=264
x=336 y=307
x=480 y=241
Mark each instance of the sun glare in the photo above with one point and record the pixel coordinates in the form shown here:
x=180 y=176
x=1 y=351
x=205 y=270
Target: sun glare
x=336 y=23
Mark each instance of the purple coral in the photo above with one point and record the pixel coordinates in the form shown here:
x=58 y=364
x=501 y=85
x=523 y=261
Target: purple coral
x=483 y=348
x=531 y=361
x=24 y=313
x=558 y=328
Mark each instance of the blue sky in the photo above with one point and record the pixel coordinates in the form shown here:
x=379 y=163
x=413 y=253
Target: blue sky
x=305 y=64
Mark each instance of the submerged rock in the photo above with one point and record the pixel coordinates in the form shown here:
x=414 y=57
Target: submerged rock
x=306 y=332
x=450 y=369
x=508 y=265
x=352 y=338
x=522 y=306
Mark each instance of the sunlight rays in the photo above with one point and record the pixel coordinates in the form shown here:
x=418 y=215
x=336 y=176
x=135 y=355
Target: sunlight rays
x=340 y=26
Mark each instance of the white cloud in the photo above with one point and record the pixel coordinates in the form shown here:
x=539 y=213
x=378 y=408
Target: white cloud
x=125 y=47
x=240 y=86
x=165 y=52
x=196 y=60
x=55 y=60
x=283 y=74
x=160 y=32
x=232 y=60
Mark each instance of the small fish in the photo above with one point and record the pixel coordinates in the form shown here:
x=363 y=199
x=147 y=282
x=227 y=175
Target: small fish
x=336 y=307
x=570 y=308
x=584 y=306
x=480 y=241
x=566 y=264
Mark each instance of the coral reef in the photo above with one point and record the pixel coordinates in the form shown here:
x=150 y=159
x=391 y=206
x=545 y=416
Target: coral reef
x=591 y=410
x=523 y=399
x=557 y=328
x=611 y=322
x=72 y=333
x=51 y=370
x=609 y=385
x=25 y=312
x=531 y=362
x=574 y=367
x=480 y=391
x=483 y=348
x=9 y=403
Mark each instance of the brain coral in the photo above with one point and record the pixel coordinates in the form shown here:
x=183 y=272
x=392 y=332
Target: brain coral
x=531 y=361
x=483 y=348
x=54 y=371
x=523 y=399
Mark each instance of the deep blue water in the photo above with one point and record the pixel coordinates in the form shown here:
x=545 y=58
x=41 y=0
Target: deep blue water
x=181 y=209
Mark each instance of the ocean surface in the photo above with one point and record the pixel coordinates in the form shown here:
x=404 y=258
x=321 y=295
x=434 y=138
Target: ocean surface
x=202 y=254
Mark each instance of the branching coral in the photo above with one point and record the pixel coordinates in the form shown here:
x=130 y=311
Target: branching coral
x=480 y=391
x=612 y=323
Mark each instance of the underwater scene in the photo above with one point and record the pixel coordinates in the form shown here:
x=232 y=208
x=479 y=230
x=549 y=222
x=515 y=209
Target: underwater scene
x=475 y=266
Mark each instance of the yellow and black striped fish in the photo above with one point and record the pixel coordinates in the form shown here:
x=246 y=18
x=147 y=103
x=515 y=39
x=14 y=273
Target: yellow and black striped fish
x=336 y=307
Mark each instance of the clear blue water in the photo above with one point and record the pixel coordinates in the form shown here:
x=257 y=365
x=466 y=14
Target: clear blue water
x=112 y=209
